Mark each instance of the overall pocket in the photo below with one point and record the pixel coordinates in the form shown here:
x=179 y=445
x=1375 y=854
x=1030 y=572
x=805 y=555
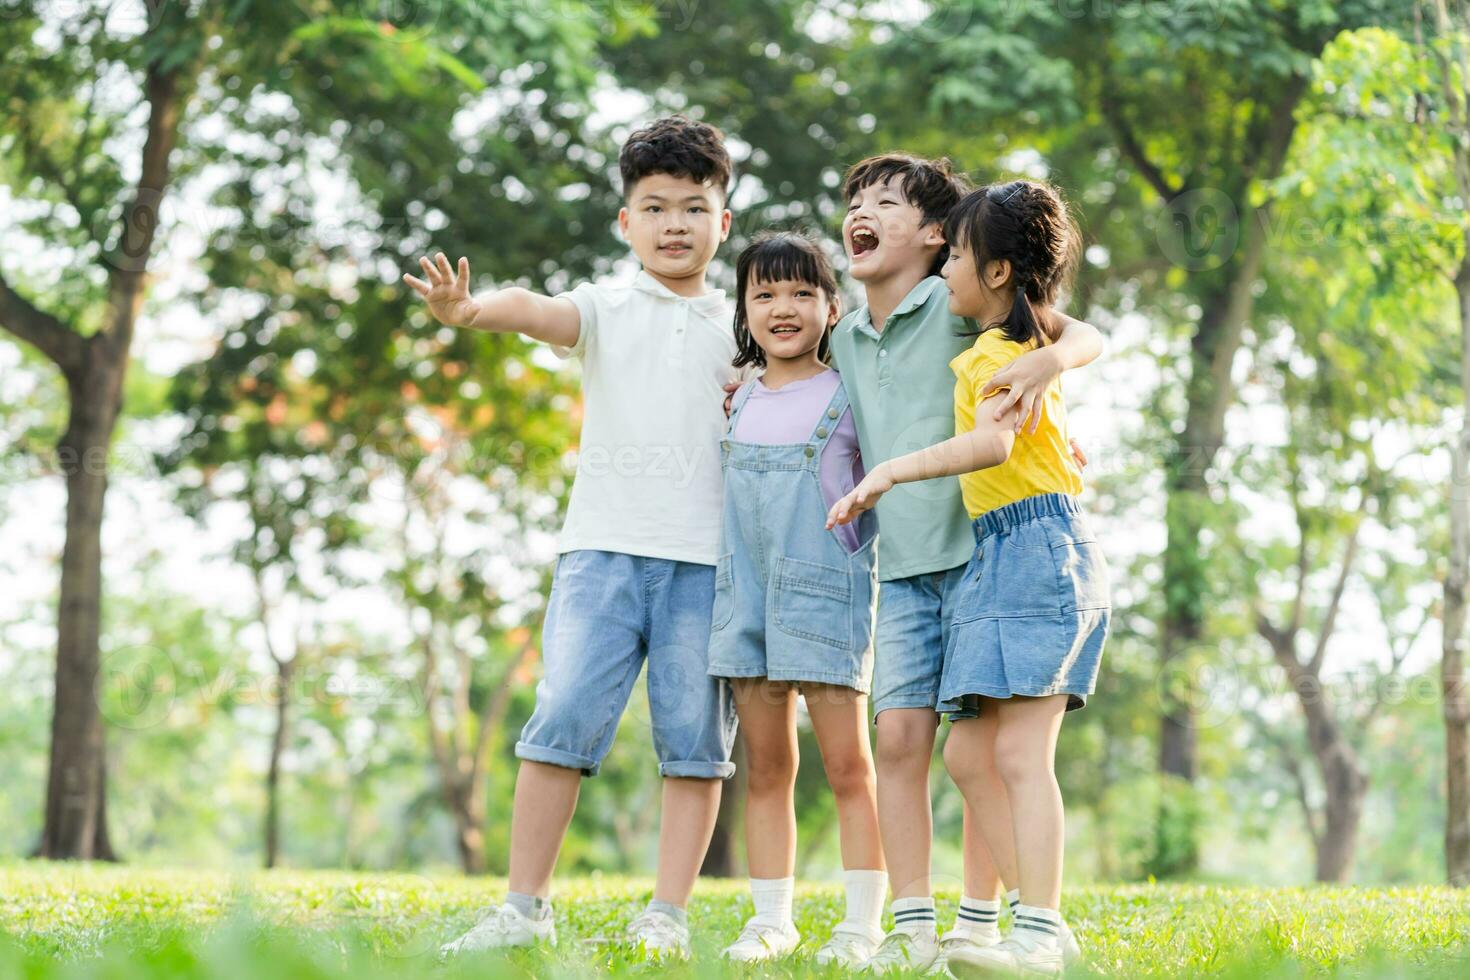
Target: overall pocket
x=814 y=602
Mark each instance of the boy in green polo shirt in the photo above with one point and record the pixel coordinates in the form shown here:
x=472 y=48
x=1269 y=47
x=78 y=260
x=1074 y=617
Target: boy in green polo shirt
x=893 y=354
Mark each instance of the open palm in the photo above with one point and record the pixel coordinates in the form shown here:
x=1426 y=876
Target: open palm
x=446 y=290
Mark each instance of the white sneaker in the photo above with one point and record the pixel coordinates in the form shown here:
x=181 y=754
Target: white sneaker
x=503 y=926
x=1071 y=952
x=761 y=940
x=957 y=939
x=849 y=947
x=1015 y=956
x=902 y=951
x=658 y=935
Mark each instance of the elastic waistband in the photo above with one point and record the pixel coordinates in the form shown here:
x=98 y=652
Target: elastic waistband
x=1019 y=512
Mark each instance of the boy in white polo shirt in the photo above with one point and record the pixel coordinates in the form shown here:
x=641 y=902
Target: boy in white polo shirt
x=635 y=575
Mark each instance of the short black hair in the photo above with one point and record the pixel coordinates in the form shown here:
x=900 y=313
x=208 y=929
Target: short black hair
x=776 y=256
x=680 y=147
x=932 y=186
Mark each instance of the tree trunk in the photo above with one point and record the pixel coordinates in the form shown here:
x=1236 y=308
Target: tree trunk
x=1452 y=668
x=75 y=825
x=469 y=823
x=95 y=368
x=1343 y=779
x=284 y=670
x=1227 y=302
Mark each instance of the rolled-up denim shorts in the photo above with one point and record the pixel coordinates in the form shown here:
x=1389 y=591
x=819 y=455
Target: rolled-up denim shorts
x=915 y=615
x=608 y=613
x=1034 y=607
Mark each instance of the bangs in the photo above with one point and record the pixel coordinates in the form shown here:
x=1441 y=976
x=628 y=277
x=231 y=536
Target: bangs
x=959 y=224
x=786 y=257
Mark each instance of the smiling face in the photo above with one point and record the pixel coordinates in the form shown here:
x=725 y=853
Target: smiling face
x=675 y=225
x=787 y=319
x=885 y=235
x=984 y=297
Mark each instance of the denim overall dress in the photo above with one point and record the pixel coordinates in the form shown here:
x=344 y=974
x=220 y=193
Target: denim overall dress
x=791 y=602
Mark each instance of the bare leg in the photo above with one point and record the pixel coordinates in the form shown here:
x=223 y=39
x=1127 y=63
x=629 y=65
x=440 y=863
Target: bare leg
x=840 y=718
x=685 y=827
x=905 y=746
x=990 y=849
x=546 y=797
x=1025 y=754
x=767 y=714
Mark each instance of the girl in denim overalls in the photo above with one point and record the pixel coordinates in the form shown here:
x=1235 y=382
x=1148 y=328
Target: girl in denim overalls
x=794 y=600
x=1034 y=608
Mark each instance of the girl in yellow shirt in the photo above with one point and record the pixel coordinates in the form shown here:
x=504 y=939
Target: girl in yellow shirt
x=1034 y=609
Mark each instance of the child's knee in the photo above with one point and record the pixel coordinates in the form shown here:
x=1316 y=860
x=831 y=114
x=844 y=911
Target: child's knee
x=768 y=773
x=967 y=762
x=904 y=741
x=850 y=775
x=1020 y=760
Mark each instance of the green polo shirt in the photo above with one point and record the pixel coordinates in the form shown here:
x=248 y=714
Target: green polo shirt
x=902 y=393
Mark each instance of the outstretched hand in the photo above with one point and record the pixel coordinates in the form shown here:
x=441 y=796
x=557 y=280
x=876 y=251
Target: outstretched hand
x=446 y=290
x=863 y=497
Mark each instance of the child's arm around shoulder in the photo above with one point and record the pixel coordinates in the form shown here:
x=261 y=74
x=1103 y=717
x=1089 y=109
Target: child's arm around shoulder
x=552 y=320
x=988 y=444
x=1030 y=374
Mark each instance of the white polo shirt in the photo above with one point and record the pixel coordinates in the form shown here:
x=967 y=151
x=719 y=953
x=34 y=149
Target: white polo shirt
x=654 y=367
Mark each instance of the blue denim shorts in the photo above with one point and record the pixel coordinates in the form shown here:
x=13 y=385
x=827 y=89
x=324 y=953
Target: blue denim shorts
x=1034 y=607
x=915 y=615
x=608 y=613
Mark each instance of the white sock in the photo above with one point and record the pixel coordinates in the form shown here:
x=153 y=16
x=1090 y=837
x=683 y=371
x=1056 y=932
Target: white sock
x=914 y=915
x=773 y=899
x=976 y=915
x=1037 y=926
x=1013 y=898
x=865 y=893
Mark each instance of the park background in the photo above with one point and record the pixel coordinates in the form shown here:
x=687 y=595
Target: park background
x=305 y=633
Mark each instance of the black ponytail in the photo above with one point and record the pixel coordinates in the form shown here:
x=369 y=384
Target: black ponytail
x=1022 y=326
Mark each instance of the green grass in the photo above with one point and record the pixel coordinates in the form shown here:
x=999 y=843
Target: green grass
x=66 y=921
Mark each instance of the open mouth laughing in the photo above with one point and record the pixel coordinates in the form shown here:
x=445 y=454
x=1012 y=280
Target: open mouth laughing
x=862 y=240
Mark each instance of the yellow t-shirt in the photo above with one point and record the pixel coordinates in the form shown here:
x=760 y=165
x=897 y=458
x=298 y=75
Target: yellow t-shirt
x=1039 y=463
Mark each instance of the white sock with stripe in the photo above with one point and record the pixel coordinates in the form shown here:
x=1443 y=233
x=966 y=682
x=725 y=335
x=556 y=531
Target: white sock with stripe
x=976 y=916
x=914 y=915
x=1035 y=926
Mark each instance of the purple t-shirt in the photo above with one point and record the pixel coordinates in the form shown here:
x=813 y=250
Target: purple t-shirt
x=788 y=415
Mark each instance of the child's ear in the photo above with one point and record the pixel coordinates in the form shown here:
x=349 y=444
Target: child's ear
x=725 y=219
x=623 y=221
x=934 y=234
x=997 y=273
